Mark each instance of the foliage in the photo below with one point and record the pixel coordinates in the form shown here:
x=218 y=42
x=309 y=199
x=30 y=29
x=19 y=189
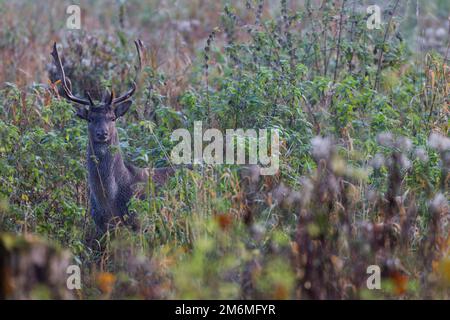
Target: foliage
x=364 y=167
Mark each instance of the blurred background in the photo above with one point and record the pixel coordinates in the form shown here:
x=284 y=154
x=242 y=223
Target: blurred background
x=175 y=32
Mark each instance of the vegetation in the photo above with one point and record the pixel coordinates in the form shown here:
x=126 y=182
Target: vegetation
x=365 y=149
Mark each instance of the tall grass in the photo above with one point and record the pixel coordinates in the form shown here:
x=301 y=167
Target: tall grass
x=364 y=167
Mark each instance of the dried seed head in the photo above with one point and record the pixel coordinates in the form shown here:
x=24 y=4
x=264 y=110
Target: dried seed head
x=280 y=193
x=293 y=198
x=405 y=163
x=306 y=191
x=377 y=161
x=439 y=203
x=439 y=142
x=403 y=143
x=385 y=139
x=421 y=154
x=321 y=148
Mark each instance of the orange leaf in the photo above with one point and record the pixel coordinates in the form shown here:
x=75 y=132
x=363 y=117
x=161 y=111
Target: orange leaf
x=400 y=283
x=224 y=221
x=105 y=281
x=444 y=269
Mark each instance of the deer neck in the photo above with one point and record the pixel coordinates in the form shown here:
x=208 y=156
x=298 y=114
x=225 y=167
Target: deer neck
x=105 y=151
x=105 y=167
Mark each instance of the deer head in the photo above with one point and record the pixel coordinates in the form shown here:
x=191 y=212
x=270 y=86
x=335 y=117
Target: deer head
x=101 y=116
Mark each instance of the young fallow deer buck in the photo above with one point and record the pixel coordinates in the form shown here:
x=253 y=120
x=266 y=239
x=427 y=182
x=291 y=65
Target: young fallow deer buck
x=112 y=182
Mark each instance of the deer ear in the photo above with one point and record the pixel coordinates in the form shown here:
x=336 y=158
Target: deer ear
x=82 y=113
x=122 y=108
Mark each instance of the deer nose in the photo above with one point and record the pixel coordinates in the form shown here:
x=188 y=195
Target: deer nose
x=102 y=134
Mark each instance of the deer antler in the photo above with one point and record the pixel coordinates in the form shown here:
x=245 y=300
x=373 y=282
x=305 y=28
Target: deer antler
x=67 y=87
x=129 y=93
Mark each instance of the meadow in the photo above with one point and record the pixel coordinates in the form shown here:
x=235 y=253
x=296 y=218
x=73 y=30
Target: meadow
x=364 y=167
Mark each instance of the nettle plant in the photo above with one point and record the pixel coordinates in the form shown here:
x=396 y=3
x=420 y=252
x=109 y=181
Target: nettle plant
x=41 y=151
x=306 y=72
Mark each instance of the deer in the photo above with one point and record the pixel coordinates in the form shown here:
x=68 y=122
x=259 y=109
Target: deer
x=112 y=181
